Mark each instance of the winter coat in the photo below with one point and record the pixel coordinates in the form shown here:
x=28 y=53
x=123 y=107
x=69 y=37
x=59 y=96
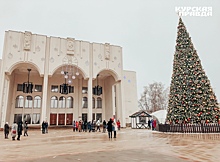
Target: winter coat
x=14 y=128
x=109 y=124
x=19 y=128
x=6 y=128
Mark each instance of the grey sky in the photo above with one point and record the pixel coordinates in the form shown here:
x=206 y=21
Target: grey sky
x=146 y=29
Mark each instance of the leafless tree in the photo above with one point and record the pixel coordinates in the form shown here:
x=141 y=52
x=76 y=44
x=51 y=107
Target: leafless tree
x=154 y=97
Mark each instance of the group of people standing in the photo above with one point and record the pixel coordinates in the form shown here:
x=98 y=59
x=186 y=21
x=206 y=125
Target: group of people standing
x=44 y=127
x=16 y=130
x=83 y=126
x=112 y=126
x=152 y=124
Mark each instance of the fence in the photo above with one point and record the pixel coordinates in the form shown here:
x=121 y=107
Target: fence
x=190 y=128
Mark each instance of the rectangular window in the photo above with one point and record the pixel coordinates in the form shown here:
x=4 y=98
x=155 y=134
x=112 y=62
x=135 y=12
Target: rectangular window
x=17 y=117
x=20 y=87
x=93 y=116
x=84 y=117
x=38 y=88
x=54 y=88
x=84 y=90
x=36 y=119
x=99 y=117
x=71 y=89
x=142 y=119
x=27 y=117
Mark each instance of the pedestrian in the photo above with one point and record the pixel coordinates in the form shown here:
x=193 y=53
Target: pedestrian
x=85 y=126
x=43 y=126
x=114 y=128
x=19 y=130
x=154 y=124
x=104 y=126
x=149 y=123
x=80 y=126
x=6 y=130
x=46 y=127
x=74 y=126
x=118 y=124
x=14 y=128
x=89 y=126
x=25 y=128
x=98 y=125
x=77 y=125
x=109 y=124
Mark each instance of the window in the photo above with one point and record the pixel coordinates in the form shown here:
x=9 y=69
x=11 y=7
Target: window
x=99 y=102
x=19 y=103
x=85 y=102
x=20 y=87
x=99 y=117
x=84 y=117
x=71 y=89
x=142 y=119
x=93 y=102
x=36 y=119
x=69 y=102
x=27 y=117
x=38 y=88
x=54 y=102
x=17 y=117
x=93 y=116
x=84 y=90
x=37 y=102
x=28 y=102
x=54 y=88
x=62 y=102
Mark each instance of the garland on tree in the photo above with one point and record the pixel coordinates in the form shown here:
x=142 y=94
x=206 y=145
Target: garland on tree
x=191 y=98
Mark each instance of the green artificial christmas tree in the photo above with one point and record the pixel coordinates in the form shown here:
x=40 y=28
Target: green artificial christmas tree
x=191 y=98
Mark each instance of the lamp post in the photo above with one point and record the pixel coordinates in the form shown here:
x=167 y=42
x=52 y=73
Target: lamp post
x=97 y=90
x=28 y=86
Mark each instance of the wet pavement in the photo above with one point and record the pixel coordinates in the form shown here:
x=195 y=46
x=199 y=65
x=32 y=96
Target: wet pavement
x=130 y=145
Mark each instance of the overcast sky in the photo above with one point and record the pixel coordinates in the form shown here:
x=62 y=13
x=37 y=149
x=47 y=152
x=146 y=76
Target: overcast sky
x=145 y=29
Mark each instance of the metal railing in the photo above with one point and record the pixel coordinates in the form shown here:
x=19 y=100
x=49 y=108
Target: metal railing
x=190 y=128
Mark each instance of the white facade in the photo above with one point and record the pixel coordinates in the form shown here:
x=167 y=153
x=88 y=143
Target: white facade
x=47 y=57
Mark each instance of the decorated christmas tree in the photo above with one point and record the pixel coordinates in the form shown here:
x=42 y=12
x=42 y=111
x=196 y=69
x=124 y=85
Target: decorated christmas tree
x=191 y=98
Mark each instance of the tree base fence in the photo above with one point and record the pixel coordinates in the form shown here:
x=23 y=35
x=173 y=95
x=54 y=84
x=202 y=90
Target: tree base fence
x=190 y=128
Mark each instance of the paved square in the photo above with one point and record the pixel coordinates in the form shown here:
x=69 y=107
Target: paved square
x=130 y=145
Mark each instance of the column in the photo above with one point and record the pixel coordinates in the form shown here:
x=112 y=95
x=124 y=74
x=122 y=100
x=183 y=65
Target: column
x=44 y=99
x=90 y=99
x=121 y=104
x=45 y=83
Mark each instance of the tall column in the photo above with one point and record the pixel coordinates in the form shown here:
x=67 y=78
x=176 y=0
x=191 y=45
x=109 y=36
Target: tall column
x=44 y=99
x=45 y=83
x=2 y=78
x=90 y=99
x=77 y=99
x=4 y=102
x=121 y=104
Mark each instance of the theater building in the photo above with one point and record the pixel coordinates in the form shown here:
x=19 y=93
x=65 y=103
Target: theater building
x=63 y=79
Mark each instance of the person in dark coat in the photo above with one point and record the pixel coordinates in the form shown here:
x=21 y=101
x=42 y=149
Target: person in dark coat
x=19 y=130
x=43 y=127
x=149 y=123
x=109 y=124
x=6 y=130
x=46 y=127
x=104 y=126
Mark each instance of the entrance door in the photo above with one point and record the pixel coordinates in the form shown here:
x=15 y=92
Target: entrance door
x=61 y=119
x=69 y=119
x=53 y=119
